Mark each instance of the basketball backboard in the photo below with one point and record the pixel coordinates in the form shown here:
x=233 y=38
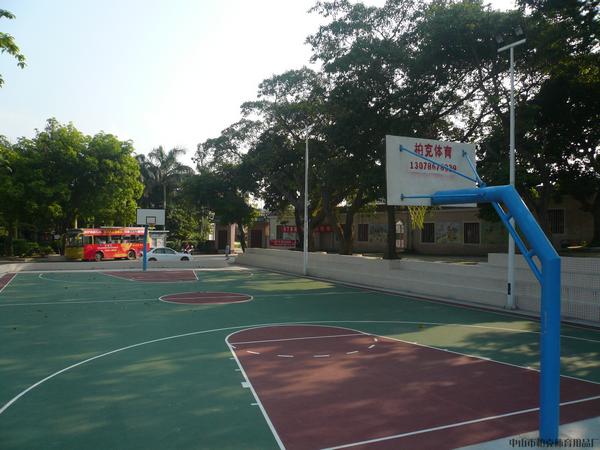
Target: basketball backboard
x=418 y=167
x=150 y=217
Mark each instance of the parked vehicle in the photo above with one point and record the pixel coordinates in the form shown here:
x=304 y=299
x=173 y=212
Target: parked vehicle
x=102 y=243
x=167 y=254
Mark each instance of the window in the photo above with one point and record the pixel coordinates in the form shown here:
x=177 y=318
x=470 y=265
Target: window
x=471 y=230
x=363 y=232
x=428 y=233
x=556 y=217
x=279 y=232
x=169 y=251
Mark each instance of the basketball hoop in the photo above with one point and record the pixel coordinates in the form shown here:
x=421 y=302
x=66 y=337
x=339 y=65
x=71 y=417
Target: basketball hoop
x=417 y=215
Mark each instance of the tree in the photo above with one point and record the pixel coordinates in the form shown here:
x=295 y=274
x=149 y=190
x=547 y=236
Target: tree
x=218 y=191
x=62 y=178
x=12 y=189
x=161 y=169
x=110 y=189
x=557 y=108
x=8 y=45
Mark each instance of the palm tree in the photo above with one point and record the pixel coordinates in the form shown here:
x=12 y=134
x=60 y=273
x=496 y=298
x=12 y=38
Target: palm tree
x=161 y=169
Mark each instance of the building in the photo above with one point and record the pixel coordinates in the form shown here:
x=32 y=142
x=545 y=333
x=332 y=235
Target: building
x=447 y=230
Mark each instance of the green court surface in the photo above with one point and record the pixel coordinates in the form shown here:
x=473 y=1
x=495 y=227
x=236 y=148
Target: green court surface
x=92 y=361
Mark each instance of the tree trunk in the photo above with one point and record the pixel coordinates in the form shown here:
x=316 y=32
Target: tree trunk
x=8 y=243
x=242 y=237
x=390 y=251
x=299 y=218
x=347 y=234
x=596 y=215
x=347 y=230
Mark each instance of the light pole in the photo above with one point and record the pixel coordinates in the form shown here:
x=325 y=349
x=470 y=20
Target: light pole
x=510 y=300
x=306 y=229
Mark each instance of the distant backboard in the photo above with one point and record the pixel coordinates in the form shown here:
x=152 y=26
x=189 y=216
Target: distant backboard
x=151 y=217
x=409 y=175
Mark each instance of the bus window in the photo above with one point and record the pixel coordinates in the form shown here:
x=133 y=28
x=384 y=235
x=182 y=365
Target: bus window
x=74 y=240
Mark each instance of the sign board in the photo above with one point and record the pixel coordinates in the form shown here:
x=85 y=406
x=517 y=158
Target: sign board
x=282 y=243
x=151 y=217
x=407 y=174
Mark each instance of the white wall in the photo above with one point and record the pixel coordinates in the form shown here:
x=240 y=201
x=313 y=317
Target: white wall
x=481 y=283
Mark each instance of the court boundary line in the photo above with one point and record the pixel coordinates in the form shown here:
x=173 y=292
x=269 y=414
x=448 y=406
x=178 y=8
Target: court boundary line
x=256 y=397
x=193 y=333
x=76 y=301
x=456 y=425
x=299 y=338
x=482 y=358
x=14 y=275
x=206 y=304
x=437 y=300
x=441 y=427
x=153 y=269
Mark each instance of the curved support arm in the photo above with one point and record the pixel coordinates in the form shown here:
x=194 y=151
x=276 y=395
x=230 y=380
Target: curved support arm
x=550 y=283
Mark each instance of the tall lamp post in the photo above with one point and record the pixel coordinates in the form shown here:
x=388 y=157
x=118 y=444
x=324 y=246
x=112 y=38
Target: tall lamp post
x=510 y=300
x=306 y=225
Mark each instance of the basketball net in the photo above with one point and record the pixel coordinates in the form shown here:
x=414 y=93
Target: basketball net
x=417 y=215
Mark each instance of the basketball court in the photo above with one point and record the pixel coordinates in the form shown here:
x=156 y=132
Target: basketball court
x=253 y=359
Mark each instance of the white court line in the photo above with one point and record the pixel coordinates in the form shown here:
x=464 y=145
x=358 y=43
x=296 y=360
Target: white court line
x=122 y=278
x=174 y=301
x=412 y=322
x=61 y=302
x=14 y=275
x=117 y=276
x=454 y=425
x=72 y=366
x=301 y=338
x=42 y=277
x=483 y=358
x=242 y=327
x=258 y=402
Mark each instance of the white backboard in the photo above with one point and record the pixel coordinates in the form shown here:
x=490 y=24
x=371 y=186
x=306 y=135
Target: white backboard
x=408 y=174
x=151 y=217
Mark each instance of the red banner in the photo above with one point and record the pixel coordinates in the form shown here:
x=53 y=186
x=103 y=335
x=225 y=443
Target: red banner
x=282 y=243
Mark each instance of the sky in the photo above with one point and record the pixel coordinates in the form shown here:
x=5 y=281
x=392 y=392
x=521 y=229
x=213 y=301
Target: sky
x=170 y=73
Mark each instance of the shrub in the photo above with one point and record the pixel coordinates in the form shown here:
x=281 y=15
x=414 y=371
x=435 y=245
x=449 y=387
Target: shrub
x=33 y=248
x=46 y=250
x=20 y=247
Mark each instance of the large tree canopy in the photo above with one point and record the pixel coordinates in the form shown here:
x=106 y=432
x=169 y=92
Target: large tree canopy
x=62 y=178
x=8 y=44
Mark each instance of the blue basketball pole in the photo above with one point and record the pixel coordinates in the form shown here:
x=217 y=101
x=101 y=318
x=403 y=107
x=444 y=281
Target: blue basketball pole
x=548 y=277
x=145 y=252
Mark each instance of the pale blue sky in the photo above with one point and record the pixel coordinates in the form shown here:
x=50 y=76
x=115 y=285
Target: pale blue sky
x=170 y=73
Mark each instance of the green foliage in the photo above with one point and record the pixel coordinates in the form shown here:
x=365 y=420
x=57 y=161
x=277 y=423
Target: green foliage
x=219 y=191
x=61 y=176
x=21 y=247
x=8 y=45
x=162 y=175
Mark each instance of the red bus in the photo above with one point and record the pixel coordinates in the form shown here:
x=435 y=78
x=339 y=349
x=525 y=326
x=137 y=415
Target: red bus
x=96 y=244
